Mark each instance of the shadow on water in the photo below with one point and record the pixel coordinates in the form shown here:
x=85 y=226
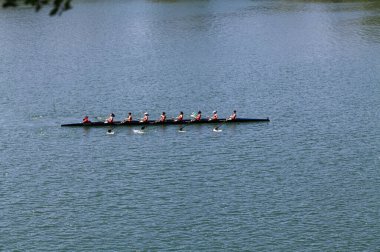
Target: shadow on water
x=368 y=18
x=369 y=22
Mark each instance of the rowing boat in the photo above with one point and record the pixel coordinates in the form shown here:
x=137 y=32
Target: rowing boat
x=167 y=122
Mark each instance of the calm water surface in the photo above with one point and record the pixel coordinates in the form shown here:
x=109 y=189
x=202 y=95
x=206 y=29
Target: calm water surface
x=306 y=181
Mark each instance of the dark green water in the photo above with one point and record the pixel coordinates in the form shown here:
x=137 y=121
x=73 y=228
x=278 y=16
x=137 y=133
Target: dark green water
x=307 y=181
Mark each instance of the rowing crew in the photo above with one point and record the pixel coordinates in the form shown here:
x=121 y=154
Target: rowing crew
x=196 y=117
x=214 y=116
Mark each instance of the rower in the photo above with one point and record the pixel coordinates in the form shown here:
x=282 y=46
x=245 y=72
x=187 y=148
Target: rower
x=214 y=116
x=198 y=117
x=232 y=117
x=110 y=118
x=128 y=119
x=162 y=117
x=86 y=120
x=179 y=117
x=145 y=118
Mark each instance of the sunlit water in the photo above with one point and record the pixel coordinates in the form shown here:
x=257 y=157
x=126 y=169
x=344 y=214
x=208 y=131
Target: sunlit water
x=308 y=180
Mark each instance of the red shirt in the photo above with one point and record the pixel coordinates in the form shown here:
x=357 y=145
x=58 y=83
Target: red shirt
x=198 y=117
x=180 y=117
x=214 y=117
x=233 y=116
x=163 y=118
x=86 y=120
x=110 y=119
x=145 y=119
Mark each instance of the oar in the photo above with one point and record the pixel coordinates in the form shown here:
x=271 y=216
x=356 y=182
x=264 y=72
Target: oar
x=155 y=122
x=220 y=125
x=99 y=118
x=187 y=124
x=147 y=124
x=143 y=127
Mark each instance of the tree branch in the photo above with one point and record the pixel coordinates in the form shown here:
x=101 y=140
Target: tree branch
x=58 y=6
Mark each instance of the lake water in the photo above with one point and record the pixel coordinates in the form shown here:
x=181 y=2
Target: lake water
x=309 y=180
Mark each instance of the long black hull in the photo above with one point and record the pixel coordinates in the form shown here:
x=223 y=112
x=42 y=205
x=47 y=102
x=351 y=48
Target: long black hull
x=168 y=122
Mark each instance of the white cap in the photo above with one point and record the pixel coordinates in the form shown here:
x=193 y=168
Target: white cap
x=214 y=112
x=146 y=113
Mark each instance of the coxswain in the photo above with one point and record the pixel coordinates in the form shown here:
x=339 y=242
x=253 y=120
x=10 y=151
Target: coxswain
x=145 y=118
x=198 y=117
x=179 y=117
x=214 y=116
x=128 y=119
x=232 y=117
x=162 y=117
x=86 y=120
x=110 y=118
